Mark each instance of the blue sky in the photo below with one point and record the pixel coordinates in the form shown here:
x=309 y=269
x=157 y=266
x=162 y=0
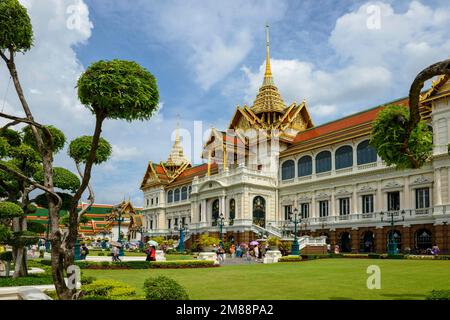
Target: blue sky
x=208 y=58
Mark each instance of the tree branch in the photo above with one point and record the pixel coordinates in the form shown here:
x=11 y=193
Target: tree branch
x=17 y=120
x=91 y=197
x=33 y=183
x=3 y=56
x=437 y=69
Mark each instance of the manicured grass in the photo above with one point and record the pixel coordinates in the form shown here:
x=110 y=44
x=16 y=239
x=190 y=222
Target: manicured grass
x=317 y=279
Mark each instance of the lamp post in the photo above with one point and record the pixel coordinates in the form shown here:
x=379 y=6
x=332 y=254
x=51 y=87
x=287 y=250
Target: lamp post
x=183 y=229
x=295 y=246
x=221 y=224
x=47 y=242
x=120 y=219
x=392 y=245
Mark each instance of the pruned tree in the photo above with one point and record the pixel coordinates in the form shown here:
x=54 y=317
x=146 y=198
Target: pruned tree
x=109 y=89
x=400 y=136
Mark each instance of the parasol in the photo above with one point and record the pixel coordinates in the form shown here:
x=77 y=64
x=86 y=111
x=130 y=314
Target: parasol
x=254 y=243
x=153 y=243
x=115 y=244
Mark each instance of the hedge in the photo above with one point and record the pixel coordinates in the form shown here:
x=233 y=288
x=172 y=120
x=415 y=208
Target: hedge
x=290 y=259
x=314 y=256
x=32 y=280
x=438 y=295
x=175 y=264
x=107 y=290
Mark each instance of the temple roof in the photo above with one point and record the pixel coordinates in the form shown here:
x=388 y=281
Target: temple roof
x=176 y=156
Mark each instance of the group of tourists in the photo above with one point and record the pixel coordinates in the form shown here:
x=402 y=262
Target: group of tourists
x=249 y=252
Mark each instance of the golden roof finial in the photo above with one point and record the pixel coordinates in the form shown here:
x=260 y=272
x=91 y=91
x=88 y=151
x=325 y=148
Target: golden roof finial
x=268 y=74
x=177 y=138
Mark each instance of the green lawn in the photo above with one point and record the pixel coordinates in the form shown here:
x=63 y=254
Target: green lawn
x=317 y=279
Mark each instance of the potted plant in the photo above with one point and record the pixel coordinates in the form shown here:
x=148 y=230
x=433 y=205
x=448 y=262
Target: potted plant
x=206 y=243
x=273 y=243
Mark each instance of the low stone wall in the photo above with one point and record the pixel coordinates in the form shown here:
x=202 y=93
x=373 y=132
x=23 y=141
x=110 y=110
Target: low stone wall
x=314 y=250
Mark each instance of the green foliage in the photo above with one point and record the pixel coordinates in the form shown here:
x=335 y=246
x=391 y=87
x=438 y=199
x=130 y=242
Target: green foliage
x=16 y=31
x=5 y=234
x=206 y=240
x=173 y=264
x=390 y=131
x=6 y=256
x=59 y=139
x=106 y=289
x=80 y=148
x=164 y=288
x=4 y=147
x=438 y=295
x=25 y=159
x=87 y=279
x=36 y=227
x=119 y=89
x=65 y=220
x=31 y=280
x=290 y=259
x=273 y=241
x=9 y=210
x=23 y=238
x=41 y=200
x=62 y=178
x=13 y=137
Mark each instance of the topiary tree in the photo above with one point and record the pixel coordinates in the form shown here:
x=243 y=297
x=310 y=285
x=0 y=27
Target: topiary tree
x=164 y=288
x=110 y=89
x=401 y=137
x=390 y=133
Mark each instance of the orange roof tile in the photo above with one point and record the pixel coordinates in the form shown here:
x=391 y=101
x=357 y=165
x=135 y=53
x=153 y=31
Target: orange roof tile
x=347 y=122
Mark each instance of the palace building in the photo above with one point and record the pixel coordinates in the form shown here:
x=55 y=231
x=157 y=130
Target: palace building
x=272 y=160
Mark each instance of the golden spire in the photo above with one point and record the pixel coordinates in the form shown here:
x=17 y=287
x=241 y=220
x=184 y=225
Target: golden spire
x=176 y=156
x=268 y=80
x=268 y=98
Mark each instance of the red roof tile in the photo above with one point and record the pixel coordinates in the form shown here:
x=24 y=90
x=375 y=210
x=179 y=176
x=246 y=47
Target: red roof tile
x=347 y=122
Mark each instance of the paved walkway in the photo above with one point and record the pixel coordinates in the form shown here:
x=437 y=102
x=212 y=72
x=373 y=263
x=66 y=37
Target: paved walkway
x=238 y=261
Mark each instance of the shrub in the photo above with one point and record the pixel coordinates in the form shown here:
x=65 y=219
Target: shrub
x=336 y=255
x=273 y=241
x=438 y=295
x=290 y=259
x=207 y=241
x=106 y=289
x=6 y=256
x=444 y=257
x=31 y=280
x=145 y=264
x=87 y=279
x=417 y=257
x=393 y=256
x=164 y=288
x=356 y=255
x=374 y=256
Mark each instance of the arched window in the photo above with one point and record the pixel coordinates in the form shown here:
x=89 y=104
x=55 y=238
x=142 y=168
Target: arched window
x=232 y=209
x=396 y=236
x=305 y=166
x=323 y=162
x=215 y=211
x=367 y=242
x=344 y=157
x=423 y=239
x=176 y=195
x=170 y=196
x=184 y=193
x=288 y=170
x=366 y=153
x=259 y=211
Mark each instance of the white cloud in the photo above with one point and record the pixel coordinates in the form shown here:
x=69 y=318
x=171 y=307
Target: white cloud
x=371 y=64
x=217 y=37
x=123 y=153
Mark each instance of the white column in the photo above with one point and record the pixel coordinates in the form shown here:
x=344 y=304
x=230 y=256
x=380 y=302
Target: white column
x=333 y=211
x=204 y=211
x=223 y=208
x=379 y=198
x=355 y=200
x=437 y=181
x=313 y=206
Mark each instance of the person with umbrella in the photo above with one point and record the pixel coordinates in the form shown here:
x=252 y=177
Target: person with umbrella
x=151 y=251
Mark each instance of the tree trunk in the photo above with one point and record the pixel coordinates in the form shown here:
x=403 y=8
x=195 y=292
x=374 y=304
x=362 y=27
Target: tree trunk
x=18 y=262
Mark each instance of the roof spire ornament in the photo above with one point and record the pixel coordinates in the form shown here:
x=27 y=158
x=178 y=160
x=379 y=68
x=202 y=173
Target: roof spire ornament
x=268 y=80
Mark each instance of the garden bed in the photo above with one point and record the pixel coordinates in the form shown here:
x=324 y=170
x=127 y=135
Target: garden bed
x=180 y=264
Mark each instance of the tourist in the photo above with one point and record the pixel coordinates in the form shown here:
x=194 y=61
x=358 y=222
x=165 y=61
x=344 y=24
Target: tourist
x=33 y=250
x=232 y=250
x=336 y=249
x=84 y=251
x=256 y=251
x=115 y=254
x=220 y=252
x=435 y=250
x=42 y=249
x=248 y=255
x=151 y=254
x=239 y=251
